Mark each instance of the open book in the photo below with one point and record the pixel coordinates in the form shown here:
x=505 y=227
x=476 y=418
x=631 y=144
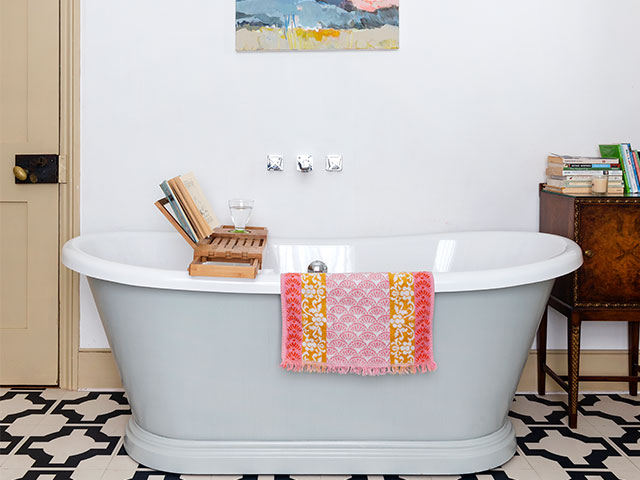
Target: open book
x=190 y=207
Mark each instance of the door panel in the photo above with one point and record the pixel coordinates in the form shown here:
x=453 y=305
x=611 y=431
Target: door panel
x=14 y=71
x=611 y=273
x=13 y=258
x=29 y=123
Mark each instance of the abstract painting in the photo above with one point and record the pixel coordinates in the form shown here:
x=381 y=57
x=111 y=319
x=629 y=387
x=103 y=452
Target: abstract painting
x=317 y=25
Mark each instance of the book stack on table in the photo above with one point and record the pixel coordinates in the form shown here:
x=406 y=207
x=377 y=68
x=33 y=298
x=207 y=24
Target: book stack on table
x=629 y=160
x=568 y=174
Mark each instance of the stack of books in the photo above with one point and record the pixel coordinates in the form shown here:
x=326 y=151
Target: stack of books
x=629 y=162
x=567 y=174
x=190 y=207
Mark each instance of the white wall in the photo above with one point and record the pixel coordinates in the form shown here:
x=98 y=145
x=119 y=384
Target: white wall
x=450 y=132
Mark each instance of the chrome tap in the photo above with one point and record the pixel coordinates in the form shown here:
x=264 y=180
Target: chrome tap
x=305 y=163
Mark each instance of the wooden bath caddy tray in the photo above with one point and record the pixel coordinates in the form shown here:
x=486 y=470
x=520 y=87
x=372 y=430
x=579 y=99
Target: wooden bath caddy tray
x=241 y=252
x=224 y=245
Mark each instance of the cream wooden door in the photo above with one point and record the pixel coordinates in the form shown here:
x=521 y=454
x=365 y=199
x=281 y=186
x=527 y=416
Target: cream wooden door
x=29 y=123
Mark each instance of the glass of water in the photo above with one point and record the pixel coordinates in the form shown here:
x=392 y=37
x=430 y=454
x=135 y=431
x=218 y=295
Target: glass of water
x=240 y=209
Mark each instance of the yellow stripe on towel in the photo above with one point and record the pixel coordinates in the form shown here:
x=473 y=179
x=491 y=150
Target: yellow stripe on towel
x=314 y=318
x=402 y=319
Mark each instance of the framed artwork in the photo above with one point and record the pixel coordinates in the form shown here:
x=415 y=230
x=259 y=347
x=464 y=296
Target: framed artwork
x=317 y=25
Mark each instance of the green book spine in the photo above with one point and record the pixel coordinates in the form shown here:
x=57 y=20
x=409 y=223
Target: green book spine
x=615 y=151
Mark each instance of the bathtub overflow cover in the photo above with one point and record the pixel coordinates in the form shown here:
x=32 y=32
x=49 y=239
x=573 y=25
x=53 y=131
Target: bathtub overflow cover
x=317 y=266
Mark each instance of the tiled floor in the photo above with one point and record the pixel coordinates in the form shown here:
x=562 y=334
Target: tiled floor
x=54 y=434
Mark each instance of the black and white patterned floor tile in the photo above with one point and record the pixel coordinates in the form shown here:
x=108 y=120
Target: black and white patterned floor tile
x=56 y=435
x=95 y=407
x=49 y=475
x=539 y=410
x=17 y=404
x=68 y=447
x=621 y=409
x=629 y=442
x=566 y=447
x=7 y=441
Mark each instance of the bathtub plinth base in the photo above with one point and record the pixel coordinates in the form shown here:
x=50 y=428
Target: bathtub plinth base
x=335 y=457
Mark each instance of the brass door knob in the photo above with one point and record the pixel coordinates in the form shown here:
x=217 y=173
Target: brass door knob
x=588 y=253
x=20 y=173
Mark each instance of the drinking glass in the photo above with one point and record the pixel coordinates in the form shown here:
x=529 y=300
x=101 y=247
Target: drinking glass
x=240 y=209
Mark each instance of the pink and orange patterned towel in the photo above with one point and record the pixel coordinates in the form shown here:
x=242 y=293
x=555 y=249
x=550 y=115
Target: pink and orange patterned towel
x=365 y=323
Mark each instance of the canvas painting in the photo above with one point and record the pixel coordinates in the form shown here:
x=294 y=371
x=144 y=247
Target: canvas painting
x=316 y=25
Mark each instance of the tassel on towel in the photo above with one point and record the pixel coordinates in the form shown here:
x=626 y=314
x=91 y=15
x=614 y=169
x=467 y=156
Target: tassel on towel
x=363 y=323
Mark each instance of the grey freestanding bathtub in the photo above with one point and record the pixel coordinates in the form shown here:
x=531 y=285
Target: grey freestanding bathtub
x=199 y=357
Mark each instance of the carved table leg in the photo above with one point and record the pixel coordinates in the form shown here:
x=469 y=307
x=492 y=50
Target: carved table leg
x=541 y=345
x=573 y=359
x=634 y=328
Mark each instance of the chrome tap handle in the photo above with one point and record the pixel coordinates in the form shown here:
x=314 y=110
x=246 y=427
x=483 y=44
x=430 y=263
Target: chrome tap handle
x=305 y=163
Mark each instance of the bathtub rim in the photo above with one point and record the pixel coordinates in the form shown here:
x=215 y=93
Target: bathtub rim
x=78 y=260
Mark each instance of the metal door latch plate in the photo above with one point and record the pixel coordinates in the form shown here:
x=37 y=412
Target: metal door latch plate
x=38 y=168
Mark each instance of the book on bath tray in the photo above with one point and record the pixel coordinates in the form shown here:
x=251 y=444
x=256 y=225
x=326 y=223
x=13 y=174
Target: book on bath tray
x=574 y=175
x=190 y=206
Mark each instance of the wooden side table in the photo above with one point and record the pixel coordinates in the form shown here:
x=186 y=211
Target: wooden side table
x=605 y=288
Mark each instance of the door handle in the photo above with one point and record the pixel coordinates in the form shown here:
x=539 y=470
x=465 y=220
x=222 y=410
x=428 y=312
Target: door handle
x=589 y=253
x=20 y=173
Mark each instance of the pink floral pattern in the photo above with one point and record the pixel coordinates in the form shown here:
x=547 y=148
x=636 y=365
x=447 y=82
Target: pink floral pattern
x=356 y=325
x=358 y=320
x=290 y=291
x=423 y=290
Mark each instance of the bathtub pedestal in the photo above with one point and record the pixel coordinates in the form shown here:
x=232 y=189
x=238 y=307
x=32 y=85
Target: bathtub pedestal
x=336 y=457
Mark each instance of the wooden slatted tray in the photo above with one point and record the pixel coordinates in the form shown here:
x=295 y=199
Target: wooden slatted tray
x=224 y=253
x=225 y=245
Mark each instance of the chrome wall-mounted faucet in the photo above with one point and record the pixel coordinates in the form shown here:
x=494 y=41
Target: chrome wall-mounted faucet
x=305 y=163
x=275 y=163
x=333 y=163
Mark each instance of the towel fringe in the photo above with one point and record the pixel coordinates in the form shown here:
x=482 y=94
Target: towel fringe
x=431 y=365
x=360 y=370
